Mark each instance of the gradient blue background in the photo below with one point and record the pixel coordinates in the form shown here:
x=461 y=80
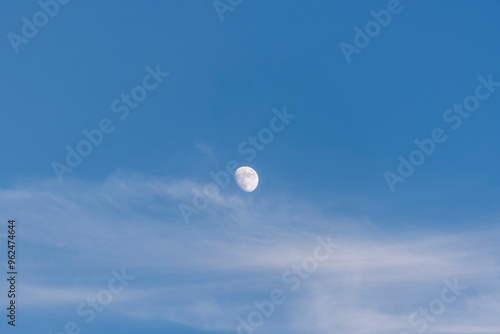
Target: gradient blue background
x=353 y=120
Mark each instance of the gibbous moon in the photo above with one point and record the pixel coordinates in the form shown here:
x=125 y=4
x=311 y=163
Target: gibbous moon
x=246 y=178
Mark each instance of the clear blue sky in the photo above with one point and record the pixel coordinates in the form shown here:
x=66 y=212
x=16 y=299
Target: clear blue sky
x=323 y=174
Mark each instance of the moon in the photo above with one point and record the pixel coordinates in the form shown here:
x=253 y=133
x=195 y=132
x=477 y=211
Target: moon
x=246 y=178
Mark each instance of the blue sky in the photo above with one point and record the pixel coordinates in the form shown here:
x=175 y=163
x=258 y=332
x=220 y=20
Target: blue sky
x=323 y=175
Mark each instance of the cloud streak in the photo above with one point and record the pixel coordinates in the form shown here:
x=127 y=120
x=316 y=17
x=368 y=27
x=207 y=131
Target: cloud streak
x=207 y=274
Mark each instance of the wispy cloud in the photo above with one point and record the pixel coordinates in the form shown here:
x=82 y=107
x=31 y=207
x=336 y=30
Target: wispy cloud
x=207 y=150
x=207 y=274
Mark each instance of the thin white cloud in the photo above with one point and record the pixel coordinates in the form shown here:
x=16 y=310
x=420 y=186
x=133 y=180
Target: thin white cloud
x=207 y=274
